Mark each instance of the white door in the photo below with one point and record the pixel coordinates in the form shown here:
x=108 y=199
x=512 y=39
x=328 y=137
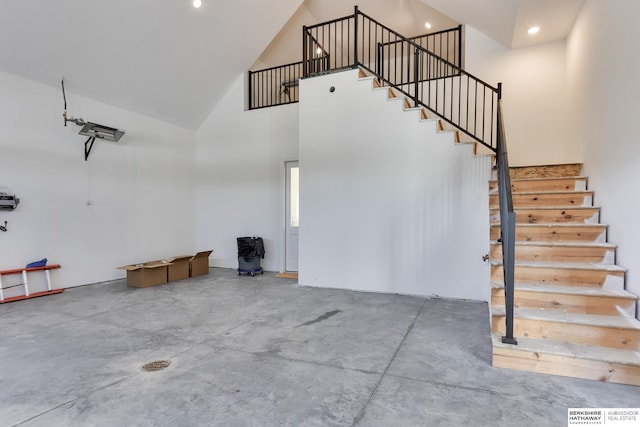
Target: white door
x=292 y=219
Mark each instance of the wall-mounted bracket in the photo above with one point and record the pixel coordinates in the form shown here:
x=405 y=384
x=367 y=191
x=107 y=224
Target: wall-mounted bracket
x=92 y=130
x=88 y=145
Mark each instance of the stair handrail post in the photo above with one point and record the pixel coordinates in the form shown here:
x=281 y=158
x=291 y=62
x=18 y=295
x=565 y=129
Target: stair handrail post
x=250 y=90
x=378 y=59
x=305 y=72
x=459 y=64
x=356 y=12
x=416 y=71
x=507 y=223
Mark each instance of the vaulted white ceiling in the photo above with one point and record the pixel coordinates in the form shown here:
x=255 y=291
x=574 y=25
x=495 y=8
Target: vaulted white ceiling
x=170 y=61
x=164 y=58
x=507 y=21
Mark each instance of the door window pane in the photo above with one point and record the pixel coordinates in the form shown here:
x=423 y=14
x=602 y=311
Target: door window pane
x=295 y=205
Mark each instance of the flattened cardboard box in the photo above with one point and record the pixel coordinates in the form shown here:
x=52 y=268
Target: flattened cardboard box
x=179 y=267
x=146 y=274
x=199 y=264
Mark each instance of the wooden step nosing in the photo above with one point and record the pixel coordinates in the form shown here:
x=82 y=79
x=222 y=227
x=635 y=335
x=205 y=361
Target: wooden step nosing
x=516 y=209
x=594 y=320
x=558 y=224
x=572 y=350
x=565 y=283
x=570 y=290
x=552 y=192
x=565 y=265
x=572 y=244
x=547 y=208
x=553 y=166
x=547 y=178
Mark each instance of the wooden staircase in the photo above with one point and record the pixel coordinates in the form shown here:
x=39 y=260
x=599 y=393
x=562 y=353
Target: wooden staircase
x=573 y=316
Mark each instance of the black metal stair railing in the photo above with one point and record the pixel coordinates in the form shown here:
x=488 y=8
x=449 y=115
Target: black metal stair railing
x=279 y=85
x=422 y=75
x=446 y=44
x=507 y=223
x=274 y=86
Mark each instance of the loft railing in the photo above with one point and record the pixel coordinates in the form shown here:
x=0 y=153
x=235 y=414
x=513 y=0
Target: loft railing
x=274 y=86
x=446 y=44
x=279 y=85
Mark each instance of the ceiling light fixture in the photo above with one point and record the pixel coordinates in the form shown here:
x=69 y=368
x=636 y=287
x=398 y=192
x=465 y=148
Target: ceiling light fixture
x=533 y=30
x=427 y=25
x=197 y=3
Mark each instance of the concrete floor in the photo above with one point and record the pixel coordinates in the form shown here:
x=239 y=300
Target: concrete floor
x=262 y=351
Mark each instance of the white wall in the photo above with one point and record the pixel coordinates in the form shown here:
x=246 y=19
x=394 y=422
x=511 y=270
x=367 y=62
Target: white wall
x=141 y=188
x=603 y=74
x=386 y=203
x=538 y=120
x=240 y=167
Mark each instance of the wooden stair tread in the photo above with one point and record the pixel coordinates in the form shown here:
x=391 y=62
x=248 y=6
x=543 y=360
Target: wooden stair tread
x=570 y=290
x=554 y=192
x=544 y=178
x=542 y=208
x=550 y=214
x=558 y=251
x=571 y=350
x=561 y=224
x=618 y=322
x=559 y=170
x=565 y=265
x=561 y=244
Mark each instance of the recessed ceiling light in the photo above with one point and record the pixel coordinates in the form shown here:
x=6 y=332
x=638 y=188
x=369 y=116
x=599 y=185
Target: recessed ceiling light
x=427 y=25
x=197 y=3
x=534 y=30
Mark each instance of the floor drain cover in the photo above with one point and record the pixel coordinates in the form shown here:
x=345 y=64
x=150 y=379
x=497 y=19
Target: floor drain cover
x=158 y=365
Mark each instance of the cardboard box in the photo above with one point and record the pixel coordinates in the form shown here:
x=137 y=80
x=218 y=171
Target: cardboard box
x=199 y=264
x=147 y=274
x=178 y=268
